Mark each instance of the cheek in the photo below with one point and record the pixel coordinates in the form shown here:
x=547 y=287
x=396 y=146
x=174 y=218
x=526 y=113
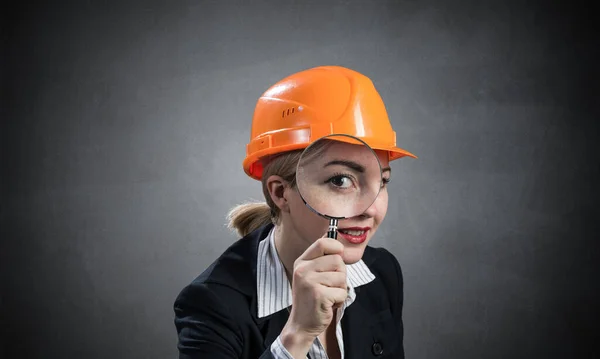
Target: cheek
x=382 y=206
x=312 y=226
x=307 y=223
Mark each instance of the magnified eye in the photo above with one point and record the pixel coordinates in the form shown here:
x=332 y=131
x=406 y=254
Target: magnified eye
x=341 y=181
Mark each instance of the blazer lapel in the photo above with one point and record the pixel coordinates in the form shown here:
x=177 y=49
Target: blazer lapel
x=270 y=326
x=353 y=327
x=273 y=325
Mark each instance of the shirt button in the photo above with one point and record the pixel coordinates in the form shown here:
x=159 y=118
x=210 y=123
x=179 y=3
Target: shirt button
x=377 y=348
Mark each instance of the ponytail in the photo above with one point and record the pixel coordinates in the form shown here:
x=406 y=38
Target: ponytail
x=247 y=217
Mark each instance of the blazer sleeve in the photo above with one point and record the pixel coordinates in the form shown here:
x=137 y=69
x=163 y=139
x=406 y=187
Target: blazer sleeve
x=205 y=327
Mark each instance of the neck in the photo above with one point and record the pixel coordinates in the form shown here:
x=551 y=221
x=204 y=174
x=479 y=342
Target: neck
x=289 y=247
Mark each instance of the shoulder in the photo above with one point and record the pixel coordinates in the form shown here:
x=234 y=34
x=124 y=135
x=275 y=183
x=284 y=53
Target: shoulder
x=230 y=276
x=388 y=273
x=382 y=263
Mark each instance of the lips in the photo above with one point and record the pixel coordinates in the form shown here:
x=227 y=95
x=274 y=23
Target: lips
x=355 y=235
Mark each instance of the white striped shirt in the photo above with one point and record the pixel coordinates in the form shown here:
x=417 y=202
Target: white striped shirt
x=275 y=293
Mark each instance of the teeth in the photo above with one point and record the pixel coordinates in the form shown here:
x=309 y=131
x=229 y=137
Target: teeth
x=353 y=233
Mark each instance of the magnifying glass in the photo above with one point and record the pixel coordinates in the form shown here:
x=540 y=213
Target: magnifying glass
x=338 y=176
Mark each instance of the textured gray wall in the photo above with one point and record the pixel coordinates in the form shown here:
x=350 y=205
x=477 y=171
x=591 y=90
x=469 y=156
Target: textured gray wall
x=124 y=126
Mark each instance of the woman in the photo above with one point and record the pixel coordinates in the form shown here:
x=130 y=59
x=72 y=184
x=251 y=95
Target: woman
x=284 y=290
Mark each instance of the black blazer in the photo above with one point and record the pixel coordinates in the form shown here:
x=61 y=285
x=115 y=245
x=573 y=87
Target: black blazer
x=216 y=314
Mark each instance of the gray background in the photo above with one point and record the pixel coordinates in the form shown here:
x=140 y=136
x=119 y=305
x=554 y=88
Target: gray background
x=124 y=125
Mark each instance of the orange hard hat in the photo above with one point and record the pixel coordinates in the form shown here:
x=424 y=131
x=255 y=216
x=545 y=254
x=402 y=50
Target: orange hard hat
x=317 y=102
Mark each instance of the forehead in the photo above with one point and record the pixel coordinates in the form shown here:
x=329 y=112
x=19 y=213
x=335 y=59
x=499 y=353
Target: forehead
x=353 y=151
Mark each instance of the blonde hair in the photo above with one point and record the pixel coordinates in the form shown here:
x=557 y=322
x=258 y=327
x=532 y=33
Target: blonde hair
x=247 y=217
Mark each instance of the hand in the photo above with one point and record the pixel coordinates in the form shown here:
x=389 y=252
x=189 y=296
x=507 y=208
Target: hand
x=318 y=287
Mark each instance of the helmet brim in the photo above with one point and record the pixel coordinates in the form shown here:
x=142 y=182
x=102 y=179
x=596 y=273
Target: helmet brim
x=397 y=153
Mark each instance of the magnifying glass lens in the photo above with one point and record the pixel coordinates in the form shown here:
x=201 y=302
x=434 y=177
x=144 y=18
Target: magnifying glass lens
x=339 y=176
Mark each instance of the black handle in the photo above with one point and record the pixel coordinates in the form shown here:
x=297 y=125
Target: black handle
x=332 y=232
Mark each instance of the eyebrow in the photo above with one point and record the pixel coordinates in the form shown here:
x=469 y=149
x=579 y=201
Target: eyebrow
x=351 y=164
x=355 y=166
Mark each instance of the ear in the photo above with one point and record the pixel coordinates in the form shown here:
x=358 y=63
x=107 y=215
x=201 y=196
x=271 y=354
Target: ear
x=277 y=188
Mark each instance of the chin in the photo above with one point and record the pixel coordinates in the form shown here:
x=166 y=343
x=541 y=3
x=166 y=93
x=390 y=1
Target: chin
x=353 y=255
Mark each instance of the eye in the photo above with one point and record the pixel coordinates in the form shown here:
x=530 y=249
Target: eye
x=385 y=181
x=341 y=181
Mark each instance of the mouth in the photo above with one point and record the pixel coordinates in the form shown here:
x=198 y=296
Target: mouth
x=355 y=235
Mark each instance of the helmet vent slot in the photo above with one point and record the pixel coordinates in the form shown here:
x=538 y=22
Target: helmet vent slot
x=289 y=111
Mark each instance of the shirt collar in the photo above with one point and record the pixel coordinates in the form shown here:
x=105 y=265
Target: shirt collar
x=273 y=289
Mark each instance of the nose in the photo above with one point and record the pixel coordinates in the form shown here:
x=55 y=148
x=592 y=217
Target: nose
x=371 y=211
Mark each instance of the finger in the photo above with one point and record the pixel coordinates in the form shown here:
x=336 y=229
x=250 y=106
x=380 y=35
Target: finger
x=333 y=295
x=306 y=270
x=321 y=247
x=327 y=263
x=331 y=279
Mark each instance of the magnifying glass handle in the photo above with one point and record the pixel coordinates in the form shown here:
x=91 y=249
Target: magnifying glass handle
x=332 y=232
